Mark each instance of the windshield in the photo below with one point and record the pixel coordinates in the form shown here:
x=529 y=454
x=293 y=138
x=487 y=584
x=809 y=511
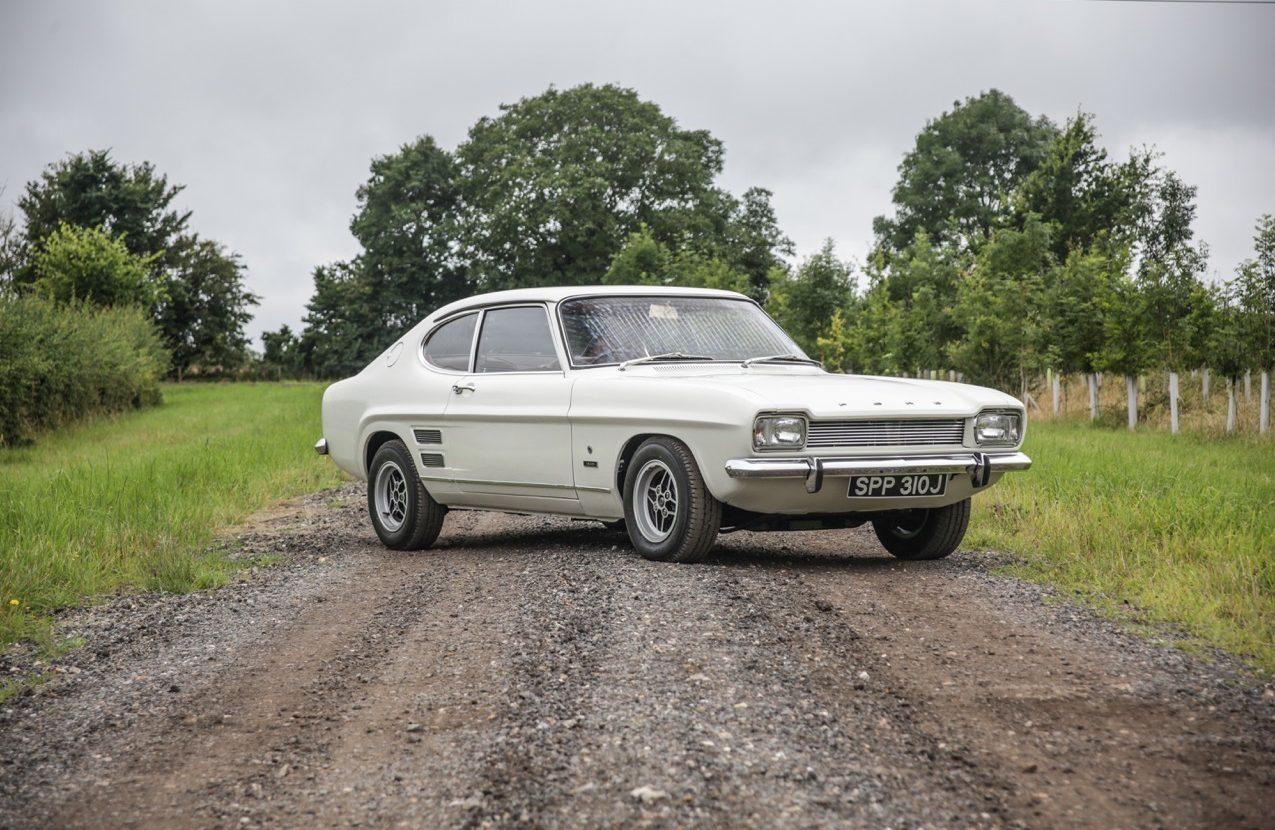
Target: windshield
x=608 y=330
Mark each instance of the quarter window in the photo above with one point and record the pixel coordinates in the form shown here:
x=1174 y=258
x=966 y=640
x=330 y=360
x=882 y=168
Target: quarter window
x=448 y=347
x=516 y=340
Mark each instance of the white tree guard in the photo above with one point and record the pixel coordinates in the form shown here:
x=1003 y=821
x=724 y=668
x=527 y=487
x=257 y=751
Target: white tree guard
x=1264 y=419
x=1173 y=402
x=1230 y=405
x=1131 y=391
x=1056 y=388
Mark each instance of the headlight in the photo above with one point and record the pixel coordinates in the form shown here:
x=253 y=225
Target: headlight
x=779 y=432
x=1001 y=429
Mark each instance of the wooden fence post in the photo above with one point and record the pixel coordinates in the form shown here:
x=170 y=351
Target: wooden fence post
x=1055 y=384
x=1204 y=385
x=1131 y=389
x=1093 y=395
x=1264 y=419
x=1230 y=405
x=1173 y=402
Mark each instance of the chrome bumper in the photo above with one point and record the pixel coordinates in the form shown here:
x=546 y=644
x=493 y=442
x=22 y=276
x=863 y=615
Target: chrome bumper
x=321 y=446
x=979 y=466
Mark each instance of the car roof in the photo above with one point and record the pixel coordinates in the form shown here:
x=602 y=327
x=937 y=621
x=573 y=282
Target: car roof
x=558 y=293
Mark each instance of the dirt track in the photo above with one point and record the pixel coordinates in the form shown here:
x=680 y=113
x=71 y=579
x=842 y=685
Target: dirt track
x=534 y=672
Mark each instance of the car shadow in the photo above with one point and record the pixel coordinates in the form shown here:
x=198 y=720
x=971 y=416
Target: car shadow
x=806 y=550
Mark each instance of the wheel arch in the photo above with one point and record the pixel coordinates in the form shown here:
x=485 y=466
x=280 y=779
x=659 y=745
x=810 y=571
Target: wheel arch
x=628 y=450
x=374 y=442
x=630 y=447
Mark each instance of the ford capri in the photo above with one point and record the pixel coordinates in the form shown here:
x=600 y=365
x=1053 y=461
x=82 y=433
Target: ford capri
x=675 y=413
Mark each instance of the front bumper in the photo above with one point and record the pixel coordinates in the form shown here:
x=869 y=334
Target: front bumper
x=978 y=466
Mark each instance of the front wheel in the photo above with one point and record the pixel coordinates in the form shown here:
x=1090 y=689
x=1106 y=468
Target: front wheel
x=668 y=511
x=404 y=514
x=930 y=533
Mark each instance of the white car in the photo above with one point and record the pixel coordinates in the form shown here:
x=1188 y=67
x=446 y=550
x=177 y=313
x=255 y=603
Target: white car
x=677 y=412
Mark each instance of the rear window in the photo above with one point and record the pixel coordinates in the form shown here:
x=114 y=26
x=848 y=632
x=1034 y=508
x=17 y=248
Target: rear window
x=448 y=347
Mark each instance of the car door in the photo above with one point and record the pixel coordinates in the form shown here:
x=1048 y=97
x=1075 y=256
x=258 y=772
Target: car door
x=511 y=440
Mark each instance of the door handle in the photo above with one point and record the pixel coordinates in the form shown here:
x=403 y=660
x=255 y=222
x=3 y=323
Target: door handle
x=462 y=387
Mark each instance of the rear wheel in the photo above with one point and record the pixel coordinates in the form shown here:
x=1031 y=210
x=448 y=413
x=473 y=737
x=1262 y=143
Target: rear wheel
x=403 y=513
x=668 y=511
x=930 y=533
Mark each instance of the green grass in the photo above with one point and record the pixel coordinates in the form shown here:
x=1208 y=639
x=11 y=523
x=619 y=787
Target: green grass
x=1182 y=528
x=133 y=502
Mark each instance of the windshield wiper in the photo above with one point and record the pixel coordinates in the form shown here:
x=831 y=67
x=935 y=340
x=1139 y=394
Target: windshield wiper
x=654 y=358
x=780 y=358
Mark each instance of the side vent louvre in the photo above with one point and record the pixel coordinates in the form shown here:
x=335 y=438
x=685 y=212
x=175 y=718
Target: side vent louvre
x=428 y=436
x=432 y=459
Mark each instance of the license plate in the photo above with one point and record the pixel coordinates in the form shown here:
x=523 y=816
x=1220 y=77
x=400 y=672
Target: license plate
x=863 y=487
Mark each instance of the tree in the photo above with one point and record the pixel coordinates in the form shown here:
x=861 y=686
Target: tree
x=753 y=244
x=957 y=181
x=645 y=260
x=87 y=264
x=1128 y=347
x=1255 y=294
x=1170 y=269
x=808 y=300
x=1074 y=307
x=998 y=306
x=12 y=250
x=406 y=223
x=921 y=281
x=200 y=302
x=92 y=190
x=281 y=352
x=205 y=308
x=341 y=333
x=555 y=184
x=872 y=337
x=1082 y=194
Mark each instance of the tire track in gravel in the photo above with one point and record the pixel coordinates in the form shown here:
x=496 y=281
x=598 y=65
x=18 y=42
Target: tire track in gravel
x=713 y=695
x=1080 y=724
x=279 y=699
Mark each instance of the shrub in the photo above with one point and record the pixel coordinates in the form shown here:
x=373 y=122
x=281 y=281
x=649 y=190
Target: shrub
x=89 y=264
x=63 y=362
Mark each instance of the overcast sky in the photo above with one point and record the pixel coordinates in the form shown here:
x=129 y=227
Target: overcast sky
x=270 y=112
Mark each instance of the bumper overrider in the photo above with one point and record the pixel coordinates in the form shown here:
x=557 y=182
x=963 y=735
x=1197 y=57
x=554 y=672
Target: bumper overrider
x=979 y=466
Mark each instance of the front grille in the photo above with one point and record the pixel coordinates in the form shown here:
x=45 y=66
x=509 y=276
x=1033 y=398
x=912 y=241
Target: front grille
x=432 y=459
x=886 y=433
x=428 y=436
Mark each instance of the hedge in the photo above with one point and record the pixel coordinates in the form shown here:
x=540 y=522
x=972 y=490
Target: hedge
x=59 y=363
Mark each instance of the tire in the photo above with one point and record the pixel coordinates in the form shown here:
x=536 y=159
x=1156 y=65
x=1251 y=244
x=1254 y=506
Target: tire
x=681 y=521
x=924 y=534
x=403 y=513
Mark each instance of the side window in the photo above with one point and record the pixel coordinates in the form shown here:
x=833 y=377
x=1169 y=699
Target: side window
x=448 y=346
x=516 y=340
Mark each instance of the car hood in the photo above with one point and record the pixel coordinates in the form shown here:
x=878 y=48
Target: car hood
x=827 y=395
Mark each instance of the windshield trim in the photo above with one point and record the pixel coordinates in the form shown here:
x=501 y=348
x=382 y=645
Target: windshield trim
x=707 y=295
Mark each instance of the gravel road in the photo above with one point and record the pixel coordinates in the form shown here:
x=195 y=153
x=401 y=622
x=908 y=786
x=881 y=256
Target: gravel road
x=536 y=672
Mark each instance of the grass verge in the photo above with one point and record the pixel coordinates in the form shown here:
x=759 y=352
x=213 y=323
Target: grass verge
x=132 y=502
x=1180 y=527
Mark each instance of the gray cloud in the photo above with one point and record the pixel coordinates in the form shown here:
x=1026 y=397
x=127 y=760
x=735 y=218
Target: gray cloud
x=270 y=113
